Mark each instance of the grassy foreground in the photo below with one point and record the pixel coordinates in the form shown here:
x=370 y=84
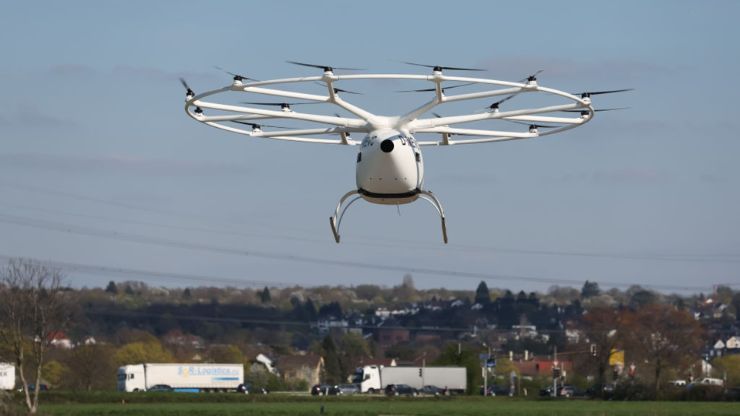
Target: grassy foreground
x=466 y=406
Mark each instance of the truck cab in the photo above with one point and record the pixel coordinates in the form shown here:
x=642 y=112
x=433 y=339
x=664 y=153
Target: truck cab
x=131 y=378
x=368 y=378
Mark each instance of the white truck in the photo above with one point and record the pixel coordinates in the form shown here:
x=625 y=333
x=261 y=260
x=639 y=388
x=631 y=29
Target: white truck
x=7 y=376
x=180 y=377
x=375 y=378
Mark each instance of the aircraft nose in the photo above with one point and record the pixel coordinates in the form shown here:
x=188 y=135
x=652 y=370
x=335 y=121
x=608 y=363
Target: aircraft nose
x=386 y=145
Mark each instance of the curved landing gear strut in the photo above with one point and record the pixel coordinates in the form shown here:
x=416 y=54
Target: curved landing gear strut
x=429 y=197
x=336 y=220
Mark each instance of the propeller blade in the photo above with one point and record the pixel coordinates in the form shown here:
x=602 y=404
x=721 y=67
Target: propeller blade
x=326 y=68
x=338 y=90
x=532 y=125
x=596 y=110
x=434 y=89
x=499 y=102
x=439 y=68
x=237 y=77
x=436 y=115
x=533 y=77
x=258 y=125
x=587 y=94
x=184 y=83
x=275 y=104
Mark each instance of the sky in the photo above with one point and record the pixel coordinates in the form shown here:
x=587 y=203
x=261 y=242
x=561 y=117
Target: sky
x=103 y=174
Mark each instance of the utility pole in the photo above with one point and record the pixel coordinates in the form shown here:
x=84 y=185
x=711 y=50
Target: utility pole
x=423 y=370
x=485 y=372
x=555 y=379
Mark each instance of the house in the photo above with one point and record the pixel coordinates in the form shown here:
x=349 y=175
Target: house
x=59 y=339
x=307 y=368
x=392 y=336
x=181 y=339
x=733 y=345
x=332 y=324
x=541 y=367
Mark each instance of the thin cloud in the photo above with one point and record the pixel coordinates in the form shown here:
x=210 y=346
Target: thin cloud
x=569 y=68
x=629 y=176
x=110 y=163
x=73 y=71
x=27 y=115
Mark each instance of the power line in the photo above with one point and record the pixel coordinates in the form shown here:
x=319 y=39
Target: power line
x=130 y=237
x=663 y=257
x=122 y=271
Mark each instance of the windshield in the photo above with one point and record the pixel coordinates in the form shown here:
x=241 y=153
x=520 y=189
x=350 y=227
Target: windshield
x=122 y=377
x=357 y=376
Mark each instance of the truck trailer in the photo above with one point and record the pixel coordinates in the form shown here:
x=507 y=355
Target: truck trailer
x=375 y=378
x=181 y=377
x=7 y=376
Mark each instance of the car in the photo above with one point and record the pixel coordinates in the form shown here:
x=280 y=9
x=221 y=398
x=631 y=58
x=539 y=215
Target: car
x=400 y=390
x=247 y=388
x=605 y=391
x=348 y=389
x=571 y=391
x=325 y=390
x=430 y=390
x=546 y=391
x=496 y=390
x=158 y=388
x=32 y=387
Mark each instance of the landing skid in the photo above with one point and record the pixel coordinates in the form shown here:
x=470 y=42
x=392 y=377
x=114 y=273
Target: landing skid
x=336 y=220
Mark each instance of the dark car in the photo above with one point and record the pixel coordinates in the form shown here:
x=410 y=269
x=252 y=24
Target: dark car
x=605 y=391
x=348 y=388
x=249 y=389
x=401 y=390
x=432 y=391
x=496 y=390
x=546 y=391
x=160 y=388
x=571 y=391
x=32 y=387
x=325 y=390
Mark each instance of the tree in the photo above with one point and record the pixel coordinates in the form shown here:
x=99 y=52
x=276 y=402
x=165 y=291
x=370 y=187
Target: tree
x=590 y=289
x=332 y=365
x=53 y=372
x=33 y=307
x=663 y=337
x=729 y=365
x=482 y=294
x=603 y=327
x=265 y=295
x=353 y=348
x=225 y=354
x=90 y=367
x=112 y=288
x=456 y=354
x=642 y=298
x=143 y=352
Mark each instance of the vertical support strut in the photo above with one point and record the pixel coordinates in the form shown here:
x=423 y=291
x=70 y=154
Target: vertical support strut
x=429 y=197
x=336 y=220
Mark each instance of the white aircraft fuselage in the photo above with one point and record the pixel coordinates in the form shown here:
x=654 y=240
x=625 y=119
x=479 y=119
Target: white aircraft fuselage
x=390 y=168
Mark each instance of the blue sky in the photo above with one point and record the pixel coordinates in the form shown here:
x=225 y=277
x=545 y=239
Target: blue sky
x=100 y=167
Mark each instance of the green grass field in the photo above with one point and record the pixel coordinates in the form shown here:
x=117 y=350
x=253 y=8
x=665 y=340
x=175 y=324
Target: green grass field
x=466 y=406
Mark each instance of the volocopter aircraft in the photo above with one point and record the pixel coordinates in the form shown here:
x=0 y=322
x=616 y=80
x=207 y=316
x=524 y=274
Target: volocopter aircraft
x=390 y=166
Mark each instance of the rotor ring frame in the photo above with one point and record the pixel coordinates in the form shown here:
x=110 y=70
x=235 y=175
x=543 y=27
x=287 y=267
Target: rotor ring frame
x=409 y=123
